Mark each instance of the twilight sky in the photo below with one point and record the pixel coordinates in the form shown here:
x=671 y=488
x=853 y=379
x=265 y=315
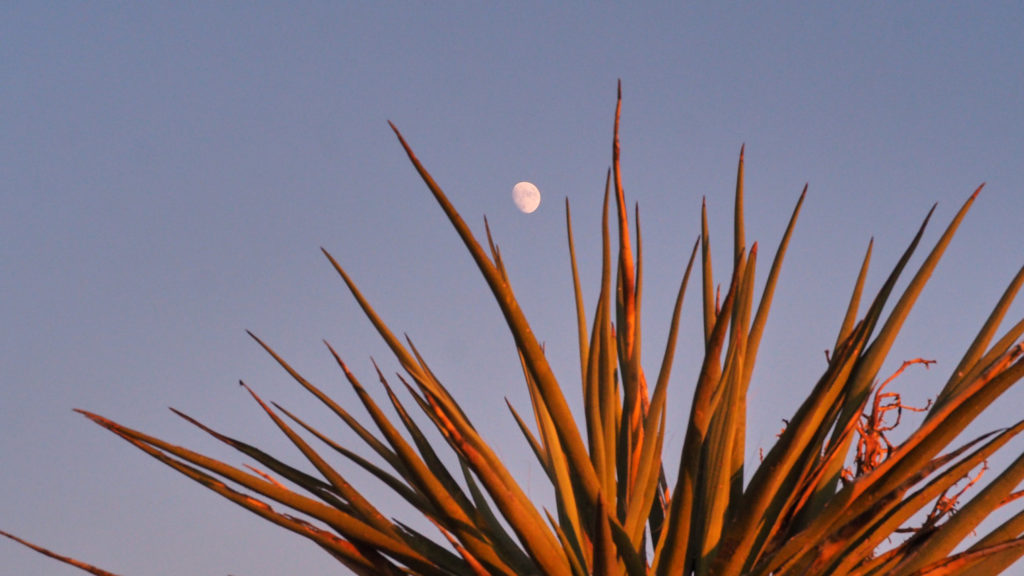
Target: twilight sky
x=168 y=174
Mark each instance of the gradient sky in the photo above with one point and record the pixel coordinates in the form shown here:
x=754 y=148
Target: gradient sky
x=168 y=174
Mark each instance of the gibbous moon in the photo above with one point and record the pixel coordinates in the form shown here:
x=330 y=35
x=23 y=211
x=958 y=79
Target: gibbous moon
x=526 y=196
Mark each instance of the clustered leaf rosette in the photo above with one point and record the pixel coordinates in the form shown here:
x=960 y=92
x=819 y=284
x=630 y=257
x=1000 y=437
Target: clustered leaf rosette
x=827 y=498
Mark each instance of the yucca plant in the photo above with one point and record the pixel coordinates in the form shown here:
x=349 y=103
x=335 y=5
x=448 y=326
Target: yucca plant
x=832 y=496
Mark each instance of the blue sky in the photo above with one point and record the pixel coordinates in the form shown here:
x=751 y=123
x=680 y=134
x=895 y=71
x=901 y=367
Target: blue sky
x=168 y=174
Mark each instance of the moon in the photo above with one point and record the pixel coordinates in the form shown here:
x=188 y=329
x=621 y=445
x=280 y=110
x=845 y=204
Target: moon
x=526 y=196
